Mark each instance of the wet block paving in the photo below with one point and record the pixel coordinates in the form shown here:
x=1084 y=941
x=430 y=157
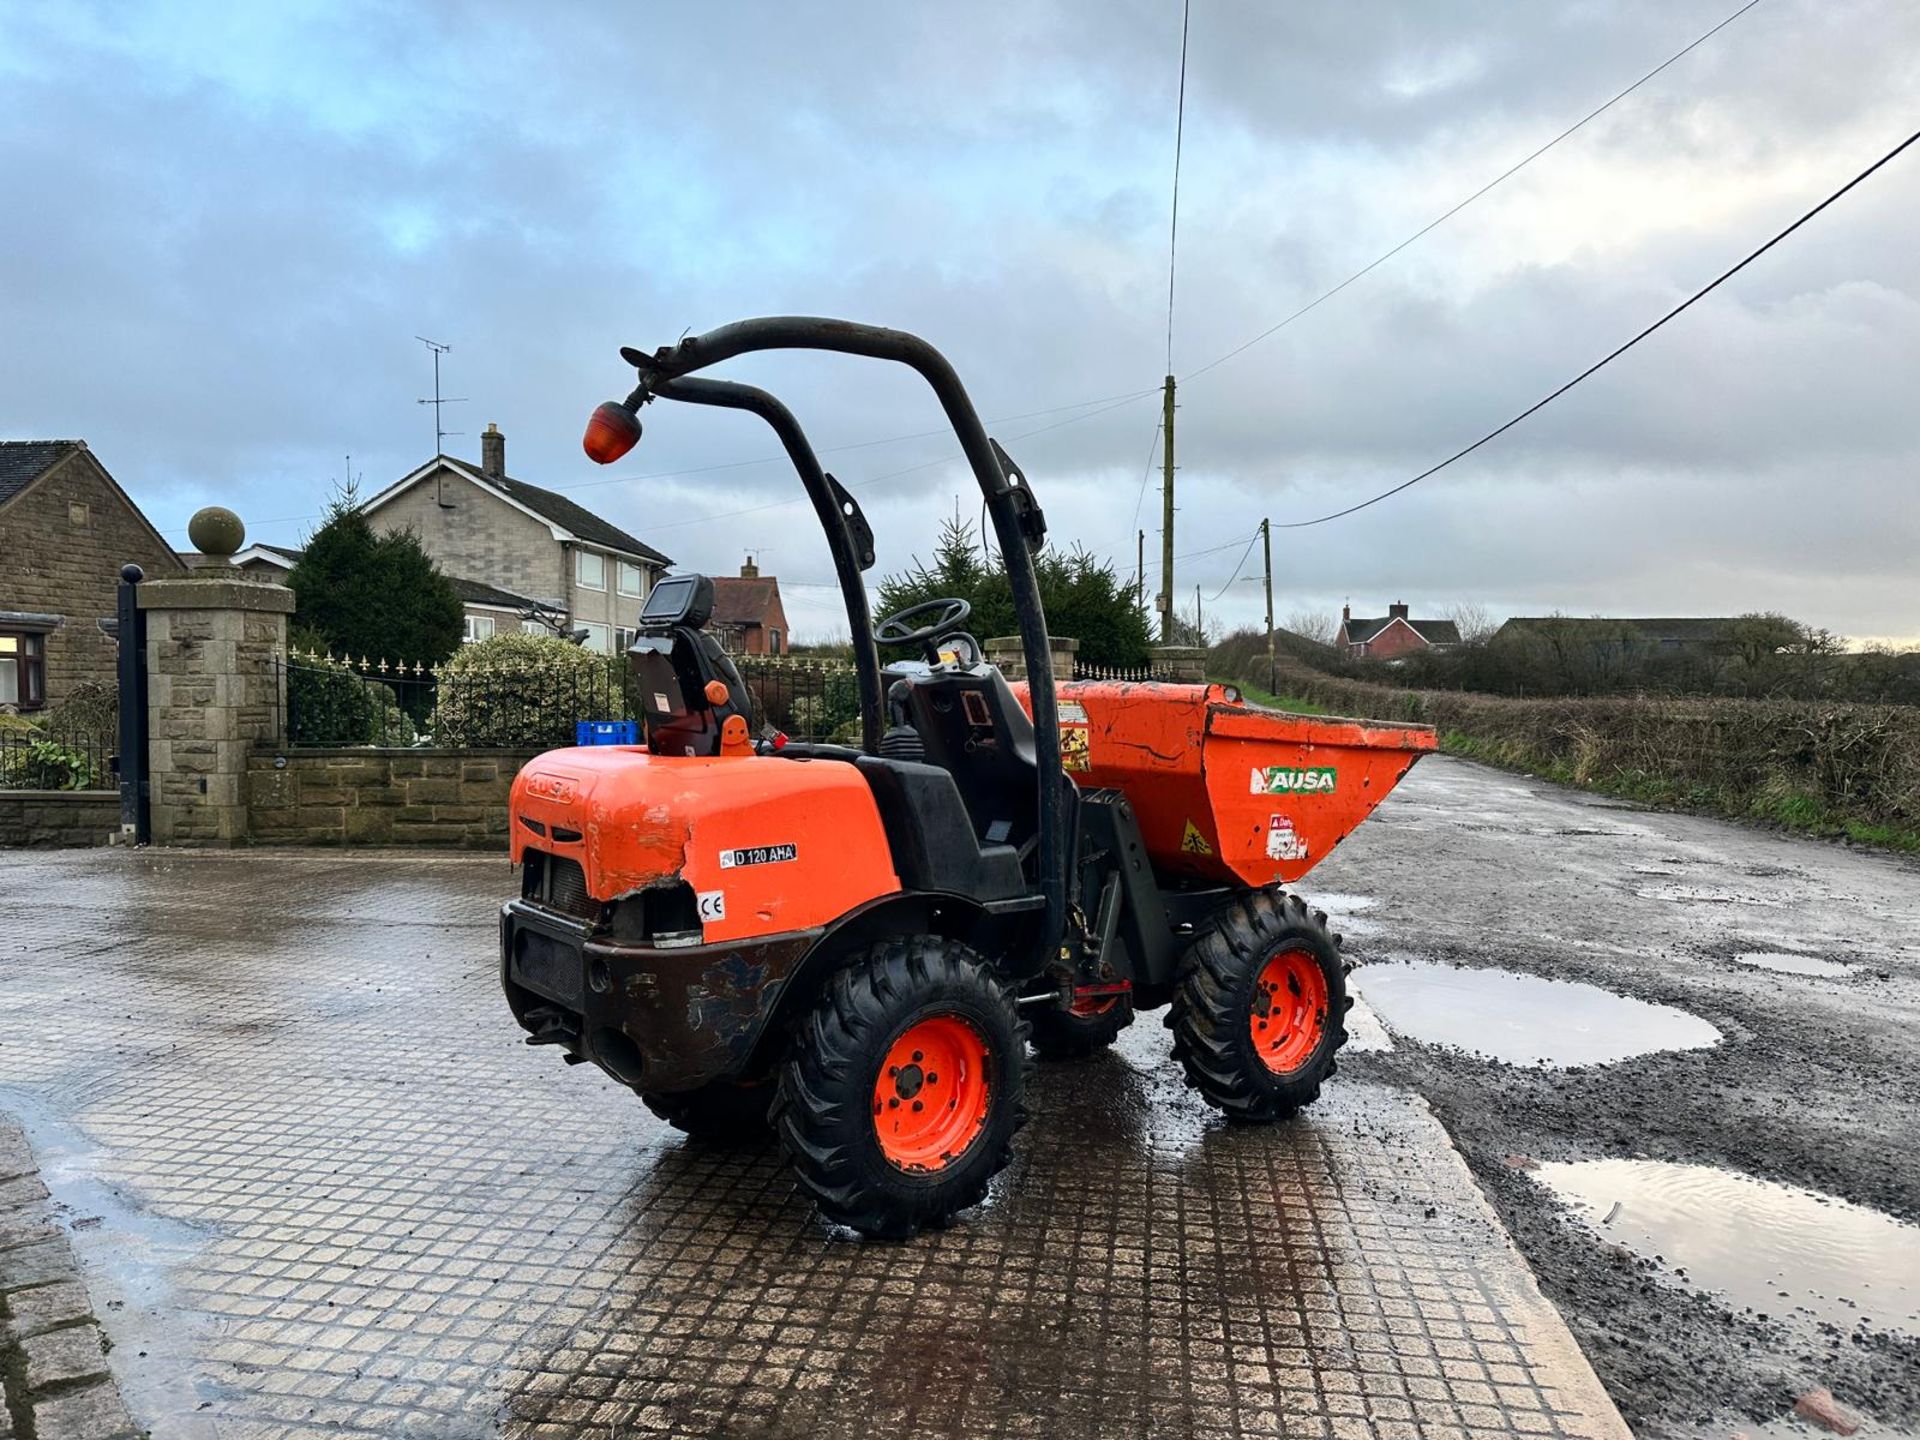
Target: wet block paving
x=318 y=1187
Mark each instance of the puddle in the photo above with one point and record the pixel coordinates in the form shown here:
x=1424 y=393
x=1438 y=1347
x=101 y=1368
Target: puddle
x=127 y=1257
x=1785 y=962
x=1752 y=1244
x=1523 y=1019
x=1343 y=912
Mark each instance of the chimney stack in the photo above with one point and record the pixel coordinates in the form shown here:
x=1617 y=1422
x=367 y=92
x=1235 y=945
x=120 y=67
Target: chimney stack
x=493 y=453
x=749 y=571
x=1346 y=614
x=1397 y=610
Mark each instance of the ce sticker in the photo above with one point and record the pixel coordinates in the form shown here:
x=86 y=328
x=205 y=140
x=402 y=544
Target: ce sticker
x=713 y=905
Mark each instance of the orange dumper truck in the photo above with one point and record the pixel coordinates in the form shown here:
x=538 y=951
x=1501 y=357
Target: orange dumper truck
x=857 y=943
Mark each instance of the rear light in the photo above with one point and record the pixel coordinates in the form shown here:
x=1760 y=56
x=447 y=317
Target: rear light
x=612 y=430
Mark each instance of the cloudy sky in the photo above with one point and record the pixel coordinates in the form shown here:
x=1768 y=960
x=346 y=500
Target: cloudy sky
x=225 y=225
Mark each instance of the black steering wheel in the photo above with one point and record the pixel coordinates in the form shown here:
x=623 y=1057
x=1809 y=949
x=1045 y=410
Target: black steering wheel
x=949 y=615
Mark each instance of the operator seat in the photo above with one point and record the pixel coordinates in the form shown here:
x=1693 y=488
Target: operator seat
x=973 y=728
x=676 y=665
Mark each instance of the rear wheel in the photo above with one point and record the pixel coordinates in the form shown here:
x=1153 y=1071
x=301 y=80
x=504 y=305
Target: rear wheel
x=718 y=1112
x=901 y=1093
x=1065 y=1033
x=1260 y=1007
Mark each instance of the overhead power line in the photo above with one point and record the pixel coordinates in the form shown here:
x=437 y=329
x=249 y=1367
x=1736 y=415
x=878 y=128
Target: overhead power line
x=1618 y=351
x=1440 y=220
x=1251 y=542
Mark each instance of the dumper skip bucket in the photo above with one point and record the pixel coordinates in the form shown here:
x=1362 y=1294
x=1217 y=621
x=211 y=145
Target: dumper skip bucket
x=1225 y=791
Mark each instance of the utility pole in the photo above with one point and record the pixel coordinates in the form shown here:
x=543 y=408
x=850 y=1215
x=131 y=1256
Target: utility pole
x=1266 y=546
x=1199 y=619
x=1140 y=569
x=439 y=435
x=1166 y=522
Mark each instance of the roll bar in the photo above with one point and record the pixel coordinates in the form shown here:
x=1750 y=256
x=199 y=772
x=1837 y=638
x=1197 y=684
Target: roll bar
x=852 y=552
x=1018 y=523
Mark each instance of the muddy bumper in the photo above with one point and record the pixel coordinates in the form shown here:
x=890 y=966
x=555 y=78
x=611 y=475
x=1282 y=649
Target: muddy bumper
x=660 y=1019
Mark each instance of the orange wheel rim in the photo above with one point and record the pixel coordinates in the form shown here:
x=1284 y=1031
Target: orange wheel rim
x=1087 y=1007
x=1289 y=1010
x=930 y=1098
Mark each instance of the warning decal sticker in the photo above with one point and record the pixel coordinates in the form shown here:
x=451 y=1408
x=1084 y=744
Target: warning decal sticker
x=1193 y=842
x=1075 y=752
x=1283 y=841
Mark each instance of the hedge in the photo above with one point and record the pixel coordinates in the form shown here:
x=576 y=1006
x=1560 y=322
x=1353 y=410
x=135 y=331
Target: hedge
x=1830 y=767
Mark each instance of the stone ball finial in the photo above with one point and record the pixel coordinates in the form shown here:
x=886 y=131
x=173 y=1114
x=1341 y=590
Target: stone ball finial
x=216 y=530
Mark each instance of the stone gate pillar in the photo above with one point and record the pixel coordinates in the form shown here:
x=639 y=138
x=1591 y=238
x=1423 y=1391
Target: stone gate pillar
x=1005 y=654
x=214 y=691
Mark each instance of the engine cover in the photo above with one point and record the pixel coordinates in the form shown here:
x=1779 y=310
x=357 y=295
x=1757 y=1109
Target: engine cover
x=768 y=845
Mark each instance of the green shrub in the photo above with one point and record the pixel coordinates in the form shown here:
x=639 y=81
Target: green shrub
x=328 y=703
x=47 y=765
x=526 y=692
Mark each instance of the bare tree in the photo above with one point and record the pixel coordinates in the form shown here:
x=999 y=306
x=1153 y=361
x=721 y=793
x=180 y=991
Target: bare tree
x=1473 y=620
x=1315 y=625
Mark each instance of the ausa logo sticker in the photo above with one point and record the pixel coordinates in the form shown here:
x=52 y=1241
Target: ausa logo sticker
x=1295 y=780
x=757 y=855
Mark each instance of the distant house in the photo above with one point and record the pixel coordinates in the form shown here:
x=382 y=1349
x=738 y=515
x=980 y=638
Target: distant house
x=521 y=555
x=747 y=614
x=1669 y=636
x=264 y=562
x=1394 y=634
x=66 y=528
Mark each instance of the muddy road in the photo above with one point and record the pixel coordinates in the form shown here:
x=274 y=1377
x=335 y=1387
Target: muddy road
x=1753 y=1032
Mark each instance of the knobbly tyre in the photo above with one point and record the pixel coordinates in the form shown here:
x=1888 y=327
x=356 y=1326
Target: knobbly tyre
x=857 y=943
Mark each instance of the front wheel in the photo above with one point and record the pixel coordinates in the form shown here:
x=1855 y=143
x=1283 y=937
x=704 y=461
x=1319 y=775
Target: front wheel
x=1259 y=1008
x=901 y=1093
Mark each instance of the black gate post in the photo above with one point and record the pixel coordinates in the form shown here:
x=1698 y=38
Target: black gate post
x=136 y=820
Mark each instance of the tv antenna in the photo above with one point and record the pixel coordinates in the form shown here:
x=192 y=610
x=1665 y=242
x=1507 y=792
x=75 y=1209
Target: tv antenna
x=439 y=434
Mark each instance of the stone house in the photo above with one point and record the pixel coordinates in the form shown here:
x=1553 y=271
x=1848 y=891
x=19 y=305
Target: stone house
x=521 y=557
x=748 y=617
x=66 y=528
x=1393 y=635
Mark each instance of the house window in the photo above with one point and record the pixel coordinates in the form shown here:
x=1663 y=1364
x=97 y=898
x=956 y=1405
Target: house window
x=599 y=637
x=622 y=638
x=479 y=627
x=632 y=582
x=590 y=570
x=534 y=627
x=773 y=642
x=23 y=671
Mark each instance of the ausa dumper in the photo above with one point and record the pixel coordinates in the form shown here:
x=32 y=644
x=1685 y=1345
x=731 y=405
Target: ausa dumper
x=856 y=943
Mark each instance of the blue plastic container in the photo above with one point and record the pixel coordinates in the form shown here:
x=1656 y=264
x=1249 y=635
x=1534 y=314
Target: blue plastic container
x=606 y=732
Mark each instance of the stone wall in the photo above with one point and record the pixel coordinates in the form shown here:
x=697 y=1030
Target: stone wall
x=455 y=798
x=58 y=819
x=64 y=539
